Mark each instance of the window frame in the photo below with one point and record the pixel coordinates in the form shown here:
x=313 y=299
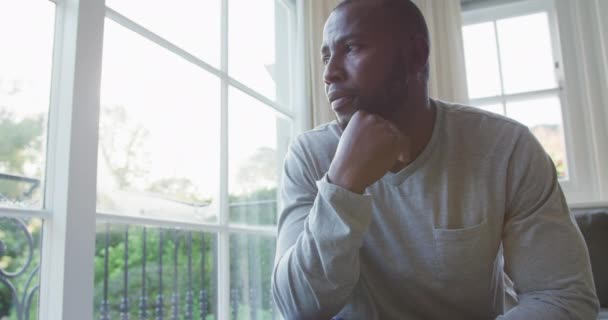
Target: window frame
x=223 y=229
x=69 y=211
x=581 y=187
x=68 y=242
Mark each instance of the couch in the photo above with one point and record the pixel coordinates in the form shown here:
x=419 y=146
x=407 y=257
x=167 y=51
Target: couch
x=593 y=223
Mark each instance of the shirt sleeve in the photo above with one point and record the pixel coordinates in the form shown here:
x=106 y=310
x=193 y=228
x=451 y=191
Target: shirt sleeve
x=545 y=253
x=320 y=232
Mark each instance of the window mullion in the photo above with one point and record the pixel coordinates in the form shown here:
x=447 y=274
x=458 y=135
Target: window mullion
x=24 y=213
x=500 y=74
x=282 y=109
x=267 y=231
x=160 y=41
x=517 y=96
x=67 y=270
x=120 y=19
x=224 y=237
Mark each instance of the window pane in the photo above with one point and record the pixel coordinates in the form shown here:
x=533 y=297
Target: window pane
x=258 y=140
x=252 y=44
x=544 y=118
x=151 y=273
x=19 y=267
x=483 y=76
x=494 y=108
x=159 y=132
x=284 y=56
x=526 y=54
x=26 y=35
x=251 y=262
x=193 y=25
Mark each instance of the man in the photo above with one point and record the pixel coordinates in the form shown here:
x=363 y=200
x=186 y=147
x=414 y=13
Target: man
x=412 y=208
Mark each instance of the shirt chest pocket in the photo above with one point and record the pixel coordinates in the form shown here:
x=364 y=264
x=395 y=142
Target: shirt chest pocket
x=464 y=255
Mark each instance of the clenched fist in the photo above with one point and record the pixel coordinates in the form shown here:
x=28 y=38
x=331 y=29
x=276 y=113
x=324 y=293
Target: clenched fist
x=369 y=147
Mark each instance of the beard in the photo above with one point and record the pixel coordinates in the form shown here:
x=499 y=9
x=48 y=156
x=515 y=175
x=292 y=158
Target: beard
x=388 y=99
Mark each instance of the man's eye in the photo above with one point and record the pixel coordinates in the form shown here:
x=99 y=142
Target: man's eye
x=351 y=47
x=325 y=60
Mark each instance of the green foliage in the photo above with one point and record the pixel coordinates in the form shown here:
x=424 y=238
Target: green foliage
x=15 y=257
x=251 y=265
x=21 y=141
x=135 y=263
x=20 y=147
x=251 y=256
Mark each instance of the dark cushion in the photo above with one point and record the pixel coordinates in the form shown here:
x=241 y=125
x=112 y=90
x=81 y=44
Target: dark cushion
x=594 y=226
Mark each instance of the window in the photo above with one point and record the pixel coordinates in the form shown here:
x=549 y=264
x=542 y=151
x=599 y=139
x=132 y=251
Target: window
x=193 y=128
x=514 y=69
x=192 y=102
x=25 y=85
x=542 y=63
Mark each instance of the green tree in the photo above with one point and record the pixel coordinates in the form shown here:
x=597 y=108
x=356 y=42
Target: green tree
x=21 y=141
x=15 y=257
x=20 y=155
x=20 y=147
x=122 y=151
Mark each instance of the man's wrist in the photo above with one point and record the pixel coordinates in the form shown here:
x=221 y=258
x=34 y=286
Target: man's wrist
x=339 y=181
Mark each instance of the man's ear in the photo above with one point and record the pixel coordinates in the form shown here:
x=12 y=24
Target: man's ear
x=401 y=71
x=419 y=54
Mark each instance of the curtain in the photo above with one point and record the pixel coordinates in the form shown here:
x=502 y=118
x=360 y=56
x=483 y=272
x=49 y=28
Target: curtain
x=311 y=19
x=447 y=73
x=447 y=79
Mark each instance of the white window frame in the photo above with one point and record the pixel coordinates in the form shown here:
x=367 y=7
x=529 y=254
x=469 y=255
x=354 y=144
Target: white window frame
x=69 y=212
x=68 y=242
x=584 y=185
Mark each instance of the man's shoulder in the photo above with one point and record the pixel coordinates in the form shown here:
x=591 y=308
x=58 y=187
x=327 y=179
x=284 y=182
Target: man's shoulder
x=321 y=137
x=316 y=148
x=469 y=120
x=462 y=112
x=324 y=131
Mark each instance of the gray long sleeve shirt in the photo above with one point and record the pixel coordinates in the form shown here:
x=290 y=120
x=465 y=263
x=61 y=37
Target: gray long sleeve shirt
x=438 y=240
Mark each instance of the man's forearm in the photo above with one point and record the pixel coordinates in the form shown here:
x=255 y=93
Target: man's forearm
x=314 y=278
x=553 y=305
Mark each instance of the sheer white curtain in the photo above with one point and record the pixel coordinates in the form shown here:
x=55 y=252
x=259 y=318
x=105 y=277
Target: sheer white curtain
x=447 y=74
x=311 y=19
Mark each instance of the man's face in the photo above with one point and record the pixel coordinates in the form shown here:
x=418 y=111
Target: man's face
x=364 y=68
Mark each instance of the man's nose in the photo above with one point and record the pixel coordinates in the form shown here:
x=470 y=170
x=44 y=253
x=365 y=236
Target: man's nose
x=334 y=71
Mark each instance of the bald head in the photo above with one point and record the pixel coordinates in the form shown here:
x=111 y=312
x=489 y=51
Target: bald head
x=404 y=16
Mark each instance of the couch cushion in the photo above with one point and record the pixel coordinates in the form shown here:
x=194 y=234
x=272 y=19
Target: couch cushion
x=594 y=227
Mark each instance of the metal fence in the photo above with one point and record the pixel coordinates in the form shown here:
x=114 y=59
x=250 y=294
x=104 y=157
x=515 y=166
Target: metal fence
x=146 y=273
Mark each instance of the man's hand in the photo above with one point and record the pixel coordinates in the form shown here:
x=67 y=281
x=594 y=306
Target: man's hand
x=369 y=147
